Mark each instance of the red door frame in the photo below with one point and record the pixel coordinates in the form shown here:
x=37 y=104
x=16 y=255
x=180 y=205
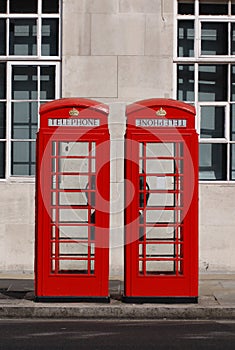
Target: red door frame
x=162 y=287
x=50 y=284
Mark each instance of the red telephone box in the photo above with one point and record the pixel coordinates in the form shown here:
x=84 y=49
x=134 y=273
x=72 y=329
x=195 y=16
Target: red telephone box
x=72 y=201
x=161 y=217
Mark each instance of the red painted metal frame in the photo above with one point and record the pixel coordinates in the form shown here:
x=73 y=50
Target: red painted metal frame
x=183 y=283
x=53 y=285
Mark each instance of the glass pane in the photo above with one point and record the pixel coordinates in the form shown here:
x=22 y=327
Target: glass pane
x=212 y=161
x=47 y=86
x=2 y=80
x=24 y=120
x=186 y=7
x=24 y=83
x=23 y=37
x=232 y=122
x=185 y=38
x=214 y=38
x=51 y=6
x=232 y=38
x=23 y=6
x=50 y=34
x=213 y=82
x=3 y=6
x=233 y=7
x=185 y=82
x=23 y=158
x=212 y=121
x=232 y=162
x=2 y=120
x=2 y=160
x=210 y=8
x=232 y=83
x=3 y=37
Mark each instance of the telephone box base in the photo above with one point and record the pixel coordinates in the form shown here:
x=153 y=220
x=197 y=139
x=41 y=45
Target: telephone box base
x=160 y=300
x=59 y=299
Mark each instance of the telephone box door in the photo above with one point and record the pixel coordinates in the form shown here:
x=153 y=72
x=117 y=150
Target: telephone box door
x=161 y=213
x=72 y=202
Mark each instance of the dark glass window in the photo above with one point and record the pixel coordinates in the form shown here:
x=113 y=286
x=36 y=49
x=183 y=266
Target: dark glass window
x=23 y=37
x=24 y=6
x=51 y=6
x=24 y=120
x=24 y=83
x=217 y=8
x=185 y=82
x=232 y=123
x=214 y=38
x=2 y=81
x=50 y=34
x=232 y=175
x=186 y=8
x=3 y=6
x=2 y=159
x=2 y=120
x=185 y=38
x=3 y=37
x=213 y=82
x=23 y=158
x=212 y=121
x=47 y=78
x=212 y=161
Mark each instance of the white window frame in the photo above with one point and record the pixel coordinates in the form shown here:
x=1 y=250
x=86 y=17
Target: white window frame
x=27 y=60
x=206 y=59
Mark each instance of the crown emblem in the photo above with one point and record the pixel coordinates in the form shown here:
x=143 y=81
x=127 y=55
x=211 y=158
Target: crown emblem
x=161 y=112
x=73 y=112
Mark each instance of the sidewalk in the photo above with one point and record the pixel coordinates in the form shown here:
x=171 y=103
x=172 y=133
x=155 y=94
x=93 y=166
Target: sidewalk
x=216 y=301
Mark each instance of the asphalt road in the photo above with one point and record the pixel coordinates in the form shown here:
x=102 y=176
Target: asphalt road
x=129 y=334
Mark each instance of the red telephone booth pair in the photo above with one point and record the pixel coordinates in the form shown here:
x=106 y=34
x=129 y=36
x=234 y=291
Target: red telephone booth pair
x=72 y=202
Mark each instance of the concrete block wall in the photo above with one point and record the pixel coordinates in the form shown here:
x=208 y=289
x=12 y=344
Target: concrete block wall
x=117 y=50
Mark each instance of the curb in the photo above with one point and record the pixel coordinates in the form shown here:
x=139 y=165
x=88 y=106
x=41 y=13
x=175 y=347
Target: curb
x=97 y=311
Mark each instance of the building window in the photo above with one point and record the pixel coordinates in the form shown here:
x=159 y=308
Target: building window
x=205 y=65
x=29 y=76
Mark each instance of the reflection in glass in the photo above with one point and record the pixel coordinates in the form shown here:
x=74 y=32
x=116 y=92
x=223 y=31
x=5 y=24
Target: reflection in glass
x=24 y=120
x=2 y=81
x=212 y=161
x=23 y=158
x=232 y=83
x=23 y=37
x=232 y=162
x=185 y=82
x=213 y=82
x=2 y=160
x=2 y=120
x=47 y=82
x=24 y=83
x=50 y=29
x=212 y=121
x=214 y=38
x=185 y=38
x=232 y=123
